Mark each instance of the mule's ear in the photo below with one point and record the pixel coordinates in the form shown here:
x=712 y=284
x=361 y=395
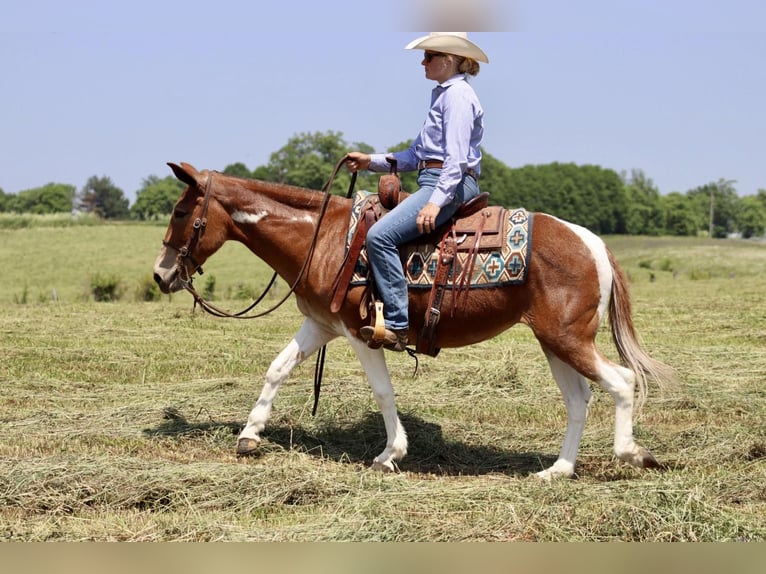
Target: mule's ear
x=186 y=173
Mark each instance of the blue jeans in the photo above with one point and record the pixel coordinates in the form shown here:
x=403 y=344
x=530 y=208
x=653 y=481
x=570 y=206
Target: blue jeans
x=399 y=227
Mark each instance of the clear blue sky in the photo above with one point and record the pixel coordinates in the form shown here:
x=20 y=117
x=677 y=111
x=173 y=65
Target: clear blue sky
x=676 y=88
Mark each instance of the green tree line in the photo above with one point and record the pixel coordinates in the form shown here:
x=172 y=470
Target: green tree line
x=595 y=197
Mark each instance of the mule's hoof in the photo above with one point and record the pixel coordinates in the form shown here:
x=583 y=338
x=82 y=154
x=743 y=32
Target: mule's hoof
x=550 y=474
x=387 y=466
x=560 y=469
x=248 y=446
x=640 y=458
x=647 y=459
x=545 y=475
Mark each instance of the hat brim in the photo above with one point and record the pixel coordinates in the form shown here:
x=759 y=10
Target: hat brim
x=449 y=44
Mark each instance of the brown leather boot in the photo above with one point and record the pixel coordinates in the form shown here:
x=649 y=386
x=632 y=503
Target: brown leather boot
x=393 y=340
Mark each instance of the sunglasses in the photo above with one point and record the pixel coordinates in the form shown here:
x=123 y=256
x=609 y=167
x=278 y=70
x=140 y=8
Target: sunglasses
x=428 y=56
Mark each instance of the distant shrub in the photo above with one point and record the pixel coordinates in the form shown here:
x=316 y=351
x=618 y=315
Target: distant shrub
x=27 y=220
x=242 y=291
x=699 y=275
x=106 y=287
x=666 y=264
x=148 y=290
x=23 y=298
x=208 y=290
x=645 y=264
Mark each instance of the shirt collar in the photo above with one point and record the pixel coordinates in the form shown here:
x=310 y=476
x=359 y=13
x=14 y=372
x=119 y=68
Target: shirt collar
x=454 y=79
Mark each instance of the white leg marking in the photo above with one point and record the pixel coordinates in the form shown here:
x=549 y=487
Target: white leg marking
x=576 y=392
x=310 y=337
x=374 y=364
x=620 y=383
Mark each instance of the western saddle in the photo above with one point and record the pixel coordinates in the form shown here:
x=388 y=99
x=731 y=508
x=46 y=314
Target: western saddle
x=475 y=227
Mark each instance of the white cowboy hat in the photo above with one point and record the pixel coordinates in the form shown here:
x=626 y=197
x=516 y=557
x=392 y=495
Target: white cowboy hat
x=456 y=43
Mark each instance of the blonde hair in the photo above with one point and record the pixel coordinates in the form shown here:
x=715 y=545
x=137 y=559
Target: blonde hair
x=467 y=66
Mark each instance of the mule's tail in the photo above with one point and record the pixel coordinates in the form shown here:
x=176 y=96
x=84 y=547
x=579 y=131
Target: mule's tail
x=626 y=339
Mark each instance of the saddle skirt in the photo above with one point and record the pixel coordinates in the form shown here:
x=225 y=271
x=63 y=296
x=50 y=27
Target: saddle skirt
x=502 y=257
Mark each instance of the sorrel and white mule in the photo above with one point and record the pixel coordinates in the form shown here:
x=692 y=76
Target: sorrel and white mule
x=572 y=282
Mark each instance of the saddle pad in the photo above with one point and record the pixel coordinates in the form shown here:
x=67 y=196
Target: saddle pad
x=493 y=268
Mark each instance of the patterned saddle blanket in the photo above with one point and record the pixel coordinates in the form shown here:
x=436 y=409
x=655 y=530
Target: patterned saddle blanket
x=504 y=263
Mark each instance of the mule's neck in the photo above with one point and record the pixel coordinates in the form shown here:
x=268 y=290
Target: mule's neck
x=277 y=222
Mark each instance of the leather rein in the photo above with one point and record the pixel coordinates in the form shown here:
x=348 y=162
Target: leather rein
x=198 y=230
x=186 y=279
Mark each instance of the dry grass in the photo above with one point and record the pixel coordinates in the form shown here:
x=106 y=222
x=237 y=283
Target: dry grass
x=119 y=419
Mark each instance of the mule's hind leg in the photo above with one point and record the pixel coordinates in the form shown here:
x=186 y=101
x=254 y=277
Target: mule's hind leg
x=576 y=392
x=374 y=364
x=309 y=338
x=620 y=383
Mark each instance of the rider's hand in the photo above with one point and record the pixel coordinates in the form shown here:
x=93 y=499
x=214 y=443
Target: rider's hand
x=426 y=220
x=357 y=161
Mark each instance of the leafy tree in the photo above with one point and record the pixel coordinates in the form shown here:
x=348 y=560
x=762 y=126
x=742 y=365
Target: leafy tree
x=51 y=198
x=604 y=197
x=752 y=216
x=588 y=195
x=725 y=204
x=496 y=180
x=262 y=172
x=156 y=197
x=644 y=215
x=102 y=197
x=3 y=200
x=307 y=160
x=238 y=170
x=678 y=214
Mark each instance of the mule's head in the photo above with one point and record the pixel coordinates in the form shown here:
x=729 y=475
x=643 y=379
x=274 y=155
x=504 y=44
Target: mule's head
x=195 y=231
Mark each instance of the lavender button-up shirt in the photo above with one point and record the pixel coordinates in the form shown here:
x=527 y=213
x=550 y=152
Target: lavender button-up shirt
x=452 y=134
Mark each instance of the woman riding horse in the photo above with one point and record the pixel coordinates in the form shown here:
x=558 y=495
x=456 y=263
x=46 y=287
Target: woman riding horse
x=447 y=155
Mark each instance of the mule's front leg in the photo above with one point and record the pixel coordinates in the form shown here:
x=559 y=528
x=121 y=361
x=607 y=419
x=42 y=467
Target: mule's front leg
x=310 y=337
x=374 y=364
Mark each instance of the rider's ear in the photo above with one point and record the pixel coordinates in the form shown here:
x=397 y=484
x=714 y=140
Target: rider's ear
x=186 y=173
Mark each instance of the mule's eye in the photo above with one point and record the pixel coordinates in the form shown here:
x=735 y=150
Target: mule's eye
x=179 y=213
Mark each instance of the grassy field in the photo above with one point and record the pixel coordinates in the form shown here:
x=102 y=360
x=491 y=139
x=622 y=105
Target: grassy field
x=119 y=420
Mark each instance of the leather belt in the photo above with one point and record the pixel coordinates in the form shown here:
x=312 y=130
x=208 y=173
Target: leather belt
x=436 y=164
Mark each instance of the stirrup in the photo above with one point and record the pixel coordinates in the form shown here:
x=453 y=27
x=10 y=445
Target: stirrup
x=378 y=336
x=393 y=340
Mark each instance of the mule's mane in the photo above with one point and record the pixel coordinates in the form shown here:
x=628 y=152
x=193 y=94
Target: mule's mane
x=296 y=196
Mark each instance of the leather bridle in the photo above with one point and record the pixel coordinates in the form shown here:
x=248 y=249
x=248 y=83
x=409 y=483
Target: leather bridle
x=198 y=230
x=185 y=253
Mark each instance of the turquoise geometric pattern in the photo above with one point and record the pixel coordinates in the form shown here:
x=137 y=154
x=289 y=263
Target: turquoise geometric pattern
x=492 y=268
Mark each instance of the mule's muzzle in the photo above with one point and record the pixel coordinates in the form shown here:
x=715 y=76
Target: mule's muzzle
x=161 y=284
x=168 y=284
